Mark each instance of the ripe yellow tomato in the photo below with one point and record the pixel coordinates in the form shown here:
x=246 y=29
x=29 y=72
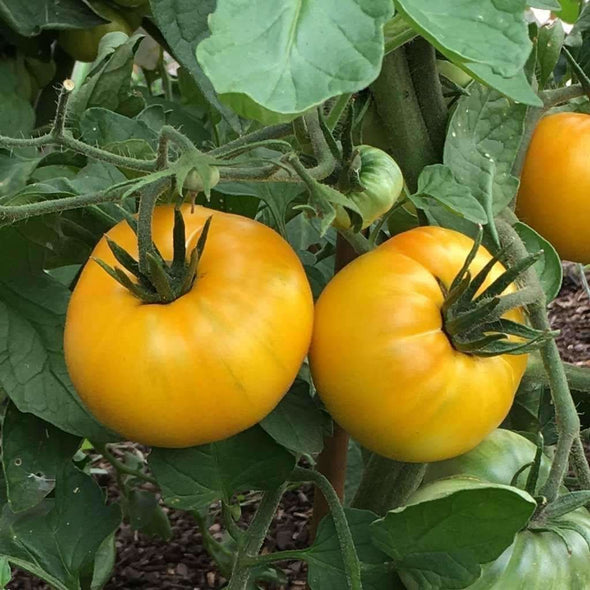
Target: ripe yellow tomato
x=211 y=363
x=383 y=365
x=554 y=194
x=82 y=44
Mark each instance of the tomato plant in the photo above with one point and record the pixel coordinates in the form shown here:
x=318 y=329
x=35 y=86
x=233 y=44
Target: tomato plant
x=554 y=185
x=205 y=249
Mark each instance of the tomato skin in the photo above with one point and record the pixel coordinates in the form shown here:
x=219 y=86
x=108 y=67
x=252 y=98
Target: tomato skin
x=82 y=44
x=555 y=184
x=536 y=560
x=211 y=363
x=384 y=367
x=383 y=182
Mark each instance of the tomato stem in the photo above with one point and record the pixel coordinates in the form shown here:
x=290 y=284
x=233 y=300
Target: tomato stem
x=350 y=557
x=567 y=419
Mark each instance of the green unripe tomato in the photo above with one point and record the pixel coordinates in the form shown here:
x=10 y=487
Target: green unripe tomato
x=82 y=44
x=193 y=181
x=452 y=72
x=383 y=183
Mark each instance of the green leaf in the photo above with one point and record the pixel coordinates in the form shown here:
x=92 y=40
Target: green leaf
x=570 y=9
x=193 y=478
x=354 y=471
x=104 y=562
x=32 y=315
x=549 y=42
x=479 y=31
x=184 y=24
x=31 y=17
x=482 y=143
x=449 y=529
x=288 y=56
x=438 y=186
x=324 y=559
x=146 y=515
x=17 y=116
x=32 y=453
x=57 y=540
x=297 y=422
x=15 y=170
x=548 y=267
x=109 y=84
x=276 y=195
x=5 y=573
x=544 y=4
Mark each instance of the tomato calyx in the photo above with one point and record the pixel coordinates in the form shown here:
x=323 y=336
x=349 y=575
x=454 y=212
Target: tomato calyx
x=473 y=320
x=164 y=281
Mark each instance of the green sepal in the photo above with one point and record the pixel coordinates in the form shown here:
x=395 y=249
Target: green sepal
x=160 y=279
x=179 y=244
x=124 y=258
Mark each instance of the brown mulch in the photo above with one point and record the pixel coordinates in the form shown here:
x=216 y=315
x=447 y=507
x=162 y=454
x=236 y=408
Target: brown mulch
x=146 y=563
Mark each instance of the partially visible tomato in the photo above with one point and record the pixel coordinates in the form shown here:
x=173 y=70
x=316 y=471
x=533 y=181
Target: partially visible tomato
x=383 y=364
x=383 y=183
x=537 y=560
x=554 y=194
x=209 y=364
x=82 y=44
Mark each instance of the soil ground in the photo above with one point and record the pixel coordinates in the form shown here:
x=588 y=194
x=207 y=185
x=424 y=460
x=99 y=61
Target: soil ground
x=146 y=563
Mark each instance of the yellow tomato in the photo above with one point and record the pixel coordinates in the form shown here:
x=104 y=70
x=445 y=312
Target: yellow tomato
x=211 y=363
x=383 y=365
x=554 y=194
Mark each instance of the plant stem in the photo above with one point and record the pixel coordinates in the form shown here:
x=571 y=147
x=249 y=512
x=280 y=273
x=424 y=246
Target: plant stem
x=350 y=558
x=400 y=116
x=212 y=545
x=59 y=122
x=567 y=420
x=333 y=458
x=580 y=464
x=267 y=558
x=230 y=524
x=325 y=160
x=337 y=110
x=147 y=203
x=422 y=64
x=121 y=467
x=255 y=538
x=274 y=132
x=387 y=484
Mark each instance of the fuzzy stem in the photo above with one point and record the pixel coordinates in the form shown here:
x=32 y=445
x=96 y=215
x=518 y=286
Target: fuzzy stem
x=424 y=73
x=349 y=555
x=268 y=558
x=61 y=111
x=121 y=467
x=567 y=420
x=387 y=484
x=580 y=464
x=147 y=203
x=399 y=115
x=255 y=538
x=274 y=132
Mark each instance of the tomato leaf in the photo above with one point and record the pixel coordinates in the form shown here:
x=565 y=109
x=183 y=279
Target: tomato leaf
x=193 y=478
x=324 y=559
x=492 y=33
x=5 y=573
x=32 y=314
x=482 y=144
x=450 y=528
x=184 y=24
x=17 y=116
x=287 y=57
x=544 y=4
x=146 y=515
x=549 y=42
x=548 y=267
x=32 y=452
x=297 y=422
x=438 y=187
x=31 y=17
x=109 y=84
x=57 y=540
